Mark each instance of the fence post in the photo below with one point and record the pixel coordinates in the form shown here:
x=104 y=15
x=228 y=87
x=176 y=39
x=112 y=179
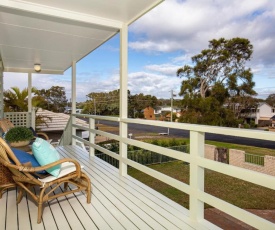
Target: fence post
x=196 y=175
x=32 y=118
x=91 y=136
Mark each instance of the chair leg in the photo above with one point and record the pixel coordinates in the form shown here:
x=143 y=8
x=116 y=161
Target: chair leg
x=39 y=215
x=20 y=195
x=87 y=181
x=66 y=186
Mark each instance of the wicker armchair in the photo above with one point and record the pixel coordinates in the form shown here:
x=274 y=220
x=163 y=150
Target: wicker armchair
x=26 y=178
x=6 y=124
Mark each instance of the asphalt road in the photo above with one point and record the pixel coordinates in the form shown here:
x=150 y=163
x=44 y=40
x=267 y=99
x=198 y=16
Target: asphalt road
x=137 y=128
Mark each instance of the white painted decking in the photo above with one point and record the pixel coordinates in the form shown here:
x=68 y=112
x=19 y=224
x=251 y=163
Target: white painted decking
x=117 y=203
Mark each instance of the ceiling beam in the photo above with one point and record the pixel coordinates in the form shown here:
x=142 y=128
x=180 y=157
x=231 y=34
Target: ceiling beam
x=45 y=12
x=153 y=5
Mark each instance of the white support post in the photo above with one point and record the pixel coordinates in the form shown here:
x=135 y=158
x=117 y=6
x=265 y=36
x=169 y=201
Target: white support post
x=30 y=110
x=91 y=136
x=123 y=103
x=1 y=91
x=196 y=175
x=73 y=97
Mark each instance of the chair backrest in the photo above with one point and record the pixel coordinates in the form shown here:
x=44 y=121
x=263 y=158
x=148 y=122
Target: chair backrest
x=6 y=158
x=5 y=125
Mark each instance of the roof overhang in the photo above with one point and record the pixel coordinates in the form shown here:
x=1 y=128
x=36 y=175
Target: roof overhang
x=57 y=33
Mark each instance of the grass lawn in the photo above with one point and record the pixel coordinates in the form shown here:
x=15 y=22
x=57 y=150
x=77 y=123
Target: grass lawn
x=240 y=193
x=246 y=148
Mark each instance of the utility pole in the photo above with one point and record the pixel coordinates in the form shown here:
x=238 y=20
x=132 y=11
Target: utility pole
x=171 y=118
x=171 y=115
x=94 y=105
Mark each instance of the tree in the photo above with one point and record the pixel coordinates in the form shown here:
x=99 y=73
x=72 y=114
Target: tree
x=271 y=99
x=218 y=78
x=102 y=103
x=108 y=103
x=16 y=100
x=138 y=102
x=224 y=63
x=55 y=98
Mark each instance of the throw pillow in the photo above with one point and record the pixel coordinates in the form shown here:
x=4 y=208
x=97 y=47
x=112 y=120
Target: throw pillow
x=24 y=157
x=45 y=154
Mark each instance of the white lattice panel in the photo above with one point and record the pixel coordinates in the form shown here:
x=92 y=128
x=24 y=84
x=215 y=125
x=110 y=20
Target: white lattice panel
x=19 y=119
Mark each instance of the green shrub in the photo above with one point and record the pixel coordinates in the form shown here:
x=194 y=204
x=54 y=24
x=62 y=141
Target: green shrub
x=19 y=134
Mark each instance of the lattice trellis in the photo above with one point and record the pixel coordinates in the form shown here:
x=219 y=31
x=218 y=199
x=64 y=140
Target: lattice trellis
x=19 y=119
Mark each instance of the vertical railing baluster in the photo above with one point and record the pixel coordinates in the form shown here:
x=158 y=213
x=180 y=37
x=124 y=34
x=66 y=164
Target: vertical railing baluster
x=91 y=136
x=196 y=175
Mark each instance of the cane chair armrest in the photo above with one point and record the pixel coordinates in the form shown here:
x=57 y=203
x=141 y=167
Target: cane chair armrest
x=44 y=135
x=37 y=169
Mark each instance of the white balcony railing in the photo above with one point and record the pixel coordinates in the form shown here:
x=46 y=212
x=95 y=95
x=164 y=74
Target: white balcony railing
x=198 y=164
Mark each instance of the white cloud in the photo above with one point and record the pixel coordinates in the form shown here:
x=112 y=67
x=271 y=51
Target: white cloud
x=153 y=84
x=265 y=92
x=166 y=69
x=189 y=25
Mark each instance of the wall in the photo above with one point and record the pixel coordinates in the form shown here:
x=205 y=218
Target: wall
x=209 y=152
x=237 y=158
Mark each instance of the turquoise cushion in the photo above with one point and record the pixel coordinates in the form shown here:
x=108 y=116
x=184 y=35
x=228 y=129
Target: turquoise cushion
x=24 y=157
x=45 y=154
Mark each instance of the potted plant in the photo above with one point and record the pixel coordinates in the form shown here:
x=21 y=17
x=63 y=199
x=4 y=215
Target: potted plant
x=19 y=136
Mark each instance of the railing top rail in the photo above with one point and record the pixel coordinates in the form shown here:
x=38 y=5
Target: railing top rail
x=247 y=133
x=106 y=118
x=256 y=134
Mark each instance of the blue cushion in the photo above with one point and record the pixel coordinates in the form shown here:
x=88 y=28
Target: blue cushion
x=45 y=154
x=24 y=157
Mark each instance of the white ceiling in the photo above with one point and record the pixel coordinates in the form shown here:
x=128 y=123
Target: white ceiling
x=55 y=33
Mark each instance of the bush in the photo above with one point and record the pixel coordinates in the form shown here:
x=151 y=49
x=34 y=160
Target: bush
x=19 y=134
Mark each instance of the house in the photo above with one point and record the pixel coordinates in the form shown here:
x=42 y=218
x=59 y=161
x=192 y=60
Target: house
x=149 y=113
x=49 y=37
x=69 y=110
x=56 y=121
x=260 y=115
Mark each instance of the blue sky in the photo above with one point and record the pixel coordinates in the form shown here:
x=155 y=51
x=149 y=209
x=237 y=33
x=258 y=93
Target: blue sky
x=165 y=39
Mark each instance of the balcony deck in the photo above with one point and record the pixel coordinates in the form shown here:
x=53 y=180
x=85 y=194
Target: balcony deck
x=117 y=203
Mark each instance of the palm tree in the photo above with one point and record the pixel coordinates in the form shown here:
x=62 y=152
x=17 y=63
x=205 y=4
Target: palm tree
x=16 y=100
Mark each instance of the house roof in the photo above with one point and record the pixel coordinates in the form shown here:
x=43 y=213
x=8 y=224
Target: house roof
x=57 y=33
x=56 y=121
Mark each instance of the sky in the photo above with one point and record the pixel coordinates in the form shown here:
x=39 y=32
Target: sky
x=164 y=40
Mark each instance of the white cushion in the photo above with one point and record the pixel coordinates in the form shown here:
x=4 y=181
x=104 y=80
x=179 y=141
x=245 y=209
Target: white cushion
x=66 y=168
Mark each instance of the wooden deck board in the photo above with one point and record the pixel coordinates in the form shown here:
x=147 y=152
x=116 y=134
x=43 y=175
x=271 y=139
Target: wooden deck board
x=129 y=190
x=23 y=209
x=3 y=210
x=117 y=203
x=113 y=191
x=148 y=195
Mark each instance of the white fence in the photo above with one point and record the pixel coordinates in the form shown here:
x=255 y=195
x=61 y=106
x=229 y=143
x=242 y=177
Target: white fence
x=19 y=118
x=198 y=164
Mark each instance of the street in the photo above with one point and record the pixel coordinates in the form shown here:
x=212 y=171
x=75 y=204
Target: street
x=138 y=128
